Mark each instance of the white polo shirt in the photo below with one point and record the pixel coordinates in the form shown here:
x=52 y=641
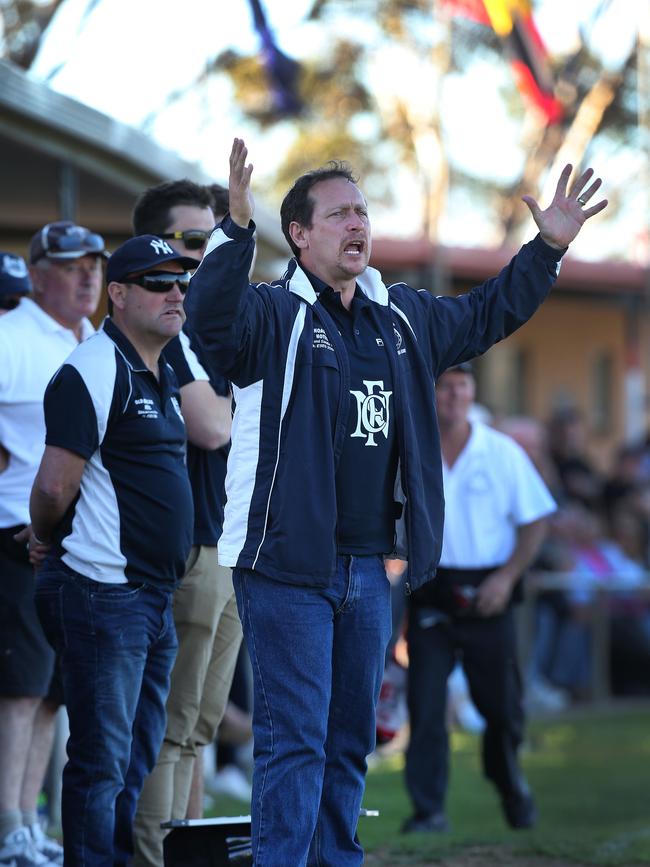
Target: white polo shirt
x=32 y=348
x=492 y=489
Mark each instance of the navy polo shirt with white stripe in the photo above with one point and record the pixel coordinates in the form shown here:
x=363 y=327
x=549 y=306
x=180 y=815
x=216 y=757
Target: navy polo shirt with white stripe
x=365 y=477
x=132 y=520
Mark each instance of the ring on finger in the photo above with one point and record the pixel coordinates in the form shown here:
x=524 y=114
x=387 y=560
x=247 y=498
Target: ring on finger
x=582 y=201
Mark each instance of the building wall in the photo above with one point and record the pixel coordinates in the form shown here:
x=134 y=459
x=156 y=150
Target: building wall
x=573 y=352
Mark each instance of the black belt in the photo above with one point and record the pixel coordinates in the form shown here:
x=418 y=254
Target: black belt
x=452 y=590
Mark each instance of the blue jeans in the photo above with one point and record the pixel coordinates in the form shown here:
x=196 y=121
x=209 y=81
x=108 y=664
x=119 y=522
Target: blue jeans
x=318 y=659
x=117 y=645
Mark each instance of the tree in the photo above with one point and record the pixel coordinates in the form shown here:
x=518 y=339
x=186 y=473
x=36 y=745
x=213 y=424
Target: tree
x=24 y=25
x=378 y=130
x=341 y=106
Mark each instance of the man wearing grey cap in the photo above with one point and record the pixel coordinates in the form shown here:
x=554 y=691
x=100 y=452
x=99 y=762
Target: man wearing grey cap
x=112 y=520
x=35 y=338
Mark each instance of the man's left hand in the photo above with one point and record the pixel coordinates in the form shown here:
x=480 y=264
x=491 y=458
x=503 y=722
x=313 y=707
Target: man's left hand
x=562 y=220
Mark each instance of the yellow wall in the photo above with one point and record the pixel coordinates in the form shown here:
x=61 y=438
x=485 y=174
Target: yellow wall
x=561 y=345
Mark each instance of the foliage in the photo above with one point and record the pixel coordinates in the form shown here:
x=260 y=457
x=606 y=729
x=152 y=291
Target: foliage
x=388 y=130
x=24 y=23
x=396 y=130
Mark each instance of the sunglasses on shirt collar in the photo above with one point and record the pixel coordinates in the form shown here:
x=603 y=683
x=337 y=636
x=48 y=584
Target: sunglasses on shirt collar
x=193 y=239
x=71 y=242
x=161 y=281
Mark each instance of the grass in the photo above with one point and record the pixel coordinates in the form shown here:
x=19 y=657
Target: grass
x=591 y=778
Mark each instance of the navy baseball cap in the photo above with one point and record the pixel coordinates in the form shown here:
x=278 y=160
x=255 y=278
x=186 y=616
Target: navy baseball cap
x=141 y=254
x=14 y=276
x=64 y=240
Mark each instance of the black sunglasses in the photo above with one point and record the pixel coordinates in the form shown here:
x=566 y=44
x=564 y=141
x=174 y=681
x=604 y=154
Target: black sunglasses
x=193 y=239
x=161 y=281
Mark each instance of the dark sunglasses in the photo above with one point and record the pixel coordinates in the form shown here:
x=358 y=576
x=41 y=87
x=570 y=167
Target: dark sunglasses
x=161 y=281
x=193 y=239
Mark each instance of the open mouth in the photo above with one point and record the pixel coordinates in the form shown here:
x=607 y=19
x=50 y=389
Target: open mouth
x=354 y=248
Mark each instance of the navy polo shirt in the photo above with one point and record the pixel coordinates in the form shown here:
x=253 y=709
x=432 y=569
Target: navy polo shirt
x=365 y=477
x=207 y=469
x=132 y=520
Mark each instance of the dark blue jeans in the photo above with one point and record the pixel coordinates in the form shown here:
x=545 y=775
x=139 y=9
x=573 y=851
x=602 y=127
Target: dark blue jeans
x=117 y=645
x=318 y=659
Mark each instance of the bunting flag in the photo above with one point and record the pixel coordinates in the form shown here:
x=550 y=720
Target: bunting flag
x=512 y=21
x=283 y=72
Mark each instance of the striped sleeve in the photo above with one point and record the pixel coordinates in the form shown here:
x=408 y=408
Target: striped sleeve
x=70 y=417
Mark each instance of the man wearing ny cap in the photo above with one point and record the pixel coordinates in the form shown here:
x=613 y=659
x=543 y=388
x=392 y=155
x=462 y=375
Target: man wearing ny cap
x=205 y=612
x=35 y=338
x=112 y=517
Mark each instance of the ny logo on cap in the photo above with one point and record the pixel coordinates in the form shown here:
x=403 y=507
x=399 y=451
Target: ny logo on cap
x=161 y=246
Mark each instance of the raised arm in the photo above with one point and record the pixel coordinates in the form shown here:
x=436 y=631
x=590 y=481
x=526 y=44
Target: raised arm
x=235 y=321
x=467 y=325
x=565 y=216
x=240 y=198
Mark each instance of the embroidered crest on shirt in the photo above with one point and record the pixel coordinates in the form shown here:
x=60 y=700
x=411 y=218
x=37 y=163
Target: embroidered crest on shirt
x=399 y=340
x=146 y=407
x=321 y=340
x=373 y=411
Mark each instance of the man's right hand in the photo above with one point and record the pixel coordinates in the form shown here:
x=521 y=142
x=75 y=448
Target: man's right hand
x=38 y=550
x=241 y=202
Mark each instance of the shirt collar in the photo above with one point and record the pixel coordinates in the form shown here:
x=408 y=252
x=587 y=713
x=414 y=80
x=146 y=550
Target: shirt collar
x=318 y=284
x=360 y=293
x=125 y=346
x=308 y=285
x=48 y=323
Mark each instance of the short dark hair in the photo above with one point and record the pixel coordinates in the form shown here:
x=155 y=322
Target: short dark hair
x=298 y=206
x=151 y=211
x=220 y=201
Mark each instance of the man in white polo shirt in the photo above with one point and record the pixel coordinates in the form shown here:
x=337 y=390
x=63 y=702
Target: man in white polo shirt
x=495 y=509
x=35 y=338
x=14 y=285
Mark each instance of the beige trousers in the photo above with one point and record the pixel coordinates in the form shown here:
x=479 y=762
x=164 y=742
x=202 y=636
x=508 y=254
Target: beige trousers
x=209 y=635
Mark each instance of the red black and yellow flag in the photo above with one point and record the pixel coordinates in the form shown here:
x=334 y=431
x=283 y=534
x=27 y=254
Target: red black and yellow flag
x=512 y=21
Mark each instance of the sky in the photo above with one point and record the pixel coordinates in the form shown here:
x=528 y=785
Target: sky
x=125 y=59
